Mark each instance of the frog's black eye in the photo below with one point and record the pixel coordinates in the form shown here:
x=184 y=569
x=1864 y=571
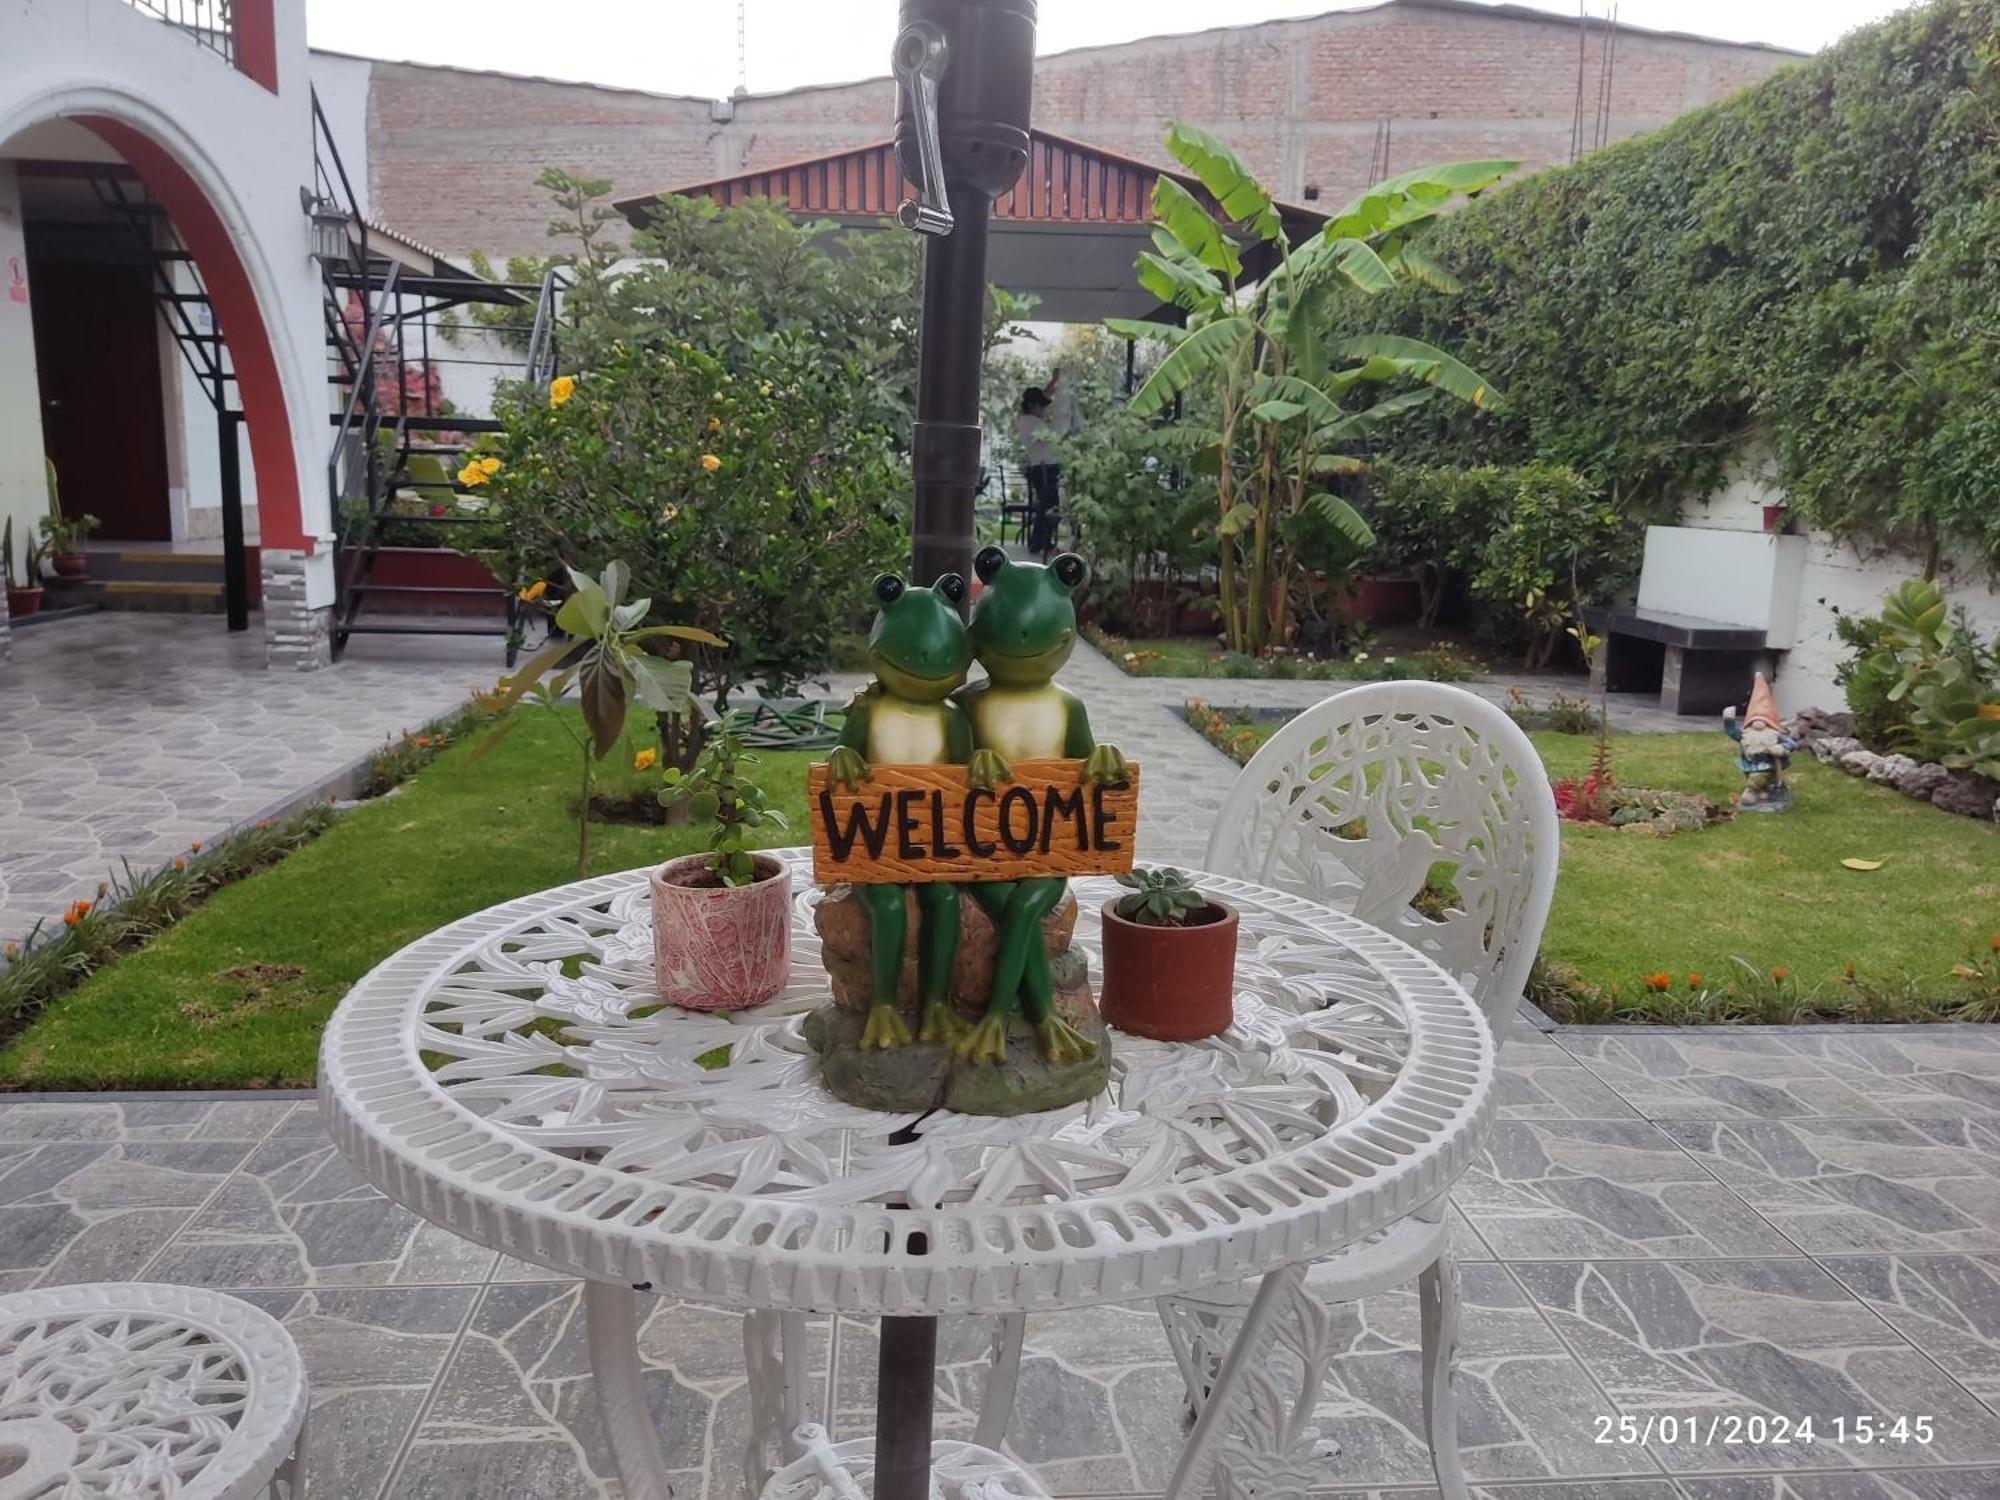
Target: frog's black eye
x=1070 y=571
x=952 y=587
x=888 y=588
x=990 y=561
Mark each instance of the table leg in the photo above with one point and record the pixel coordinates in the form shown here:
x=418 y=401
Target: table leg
x=905 y=1392
x=611 y=1319
x=1003 y=1379
x=1252 y=1342
x=1437 y=1296
x=774 y=1358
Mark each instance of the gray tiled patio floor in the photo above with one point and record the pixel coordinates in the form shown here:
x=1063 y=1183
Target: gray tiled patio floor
x=1699 y=1223
x=129 y=736
x=1635 y=1244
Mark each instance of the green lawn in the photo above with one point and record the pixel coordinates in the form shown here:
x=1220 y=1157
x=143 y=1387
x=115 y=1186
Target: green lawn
x=1768 y=888
x=237 y=992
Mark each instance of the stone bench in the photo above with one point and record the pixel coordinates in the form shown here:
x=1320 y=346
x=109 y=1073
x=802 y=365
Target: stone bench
x=1697 y=666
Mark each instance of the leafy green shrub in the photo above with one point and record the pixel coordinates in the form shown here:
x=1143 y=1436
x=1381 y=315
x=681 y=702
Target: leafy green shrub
x=1921 y=680
x=751 y=496
x=1813 y=254
x=1557 y=546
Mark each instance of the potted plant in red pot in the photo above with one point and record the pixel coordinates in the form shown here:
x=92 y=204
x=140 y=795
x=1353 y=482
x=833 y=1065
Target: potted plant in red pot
x=1169 y=958
x=722 y=920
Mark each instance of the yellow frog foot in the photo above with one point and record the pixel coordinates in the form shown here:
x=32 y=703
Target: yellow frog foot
x=941 y=1024
x=884 y=1028
x=985 y=1042
x=1063 y=1043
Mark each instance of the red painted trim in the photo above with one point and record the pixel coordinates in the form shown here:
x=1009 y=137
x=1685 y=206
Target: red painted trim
x=280 y=519
x=255 y=41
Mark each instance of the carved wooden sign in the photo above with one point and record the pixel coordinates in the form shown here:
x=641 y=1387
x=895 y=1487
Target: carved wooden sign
x=915 y=824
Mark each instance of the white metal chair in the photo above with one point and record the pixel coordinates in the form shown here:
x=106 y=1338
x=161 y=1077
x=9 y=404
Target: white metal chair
x=1424 y=810
x=138 y=1388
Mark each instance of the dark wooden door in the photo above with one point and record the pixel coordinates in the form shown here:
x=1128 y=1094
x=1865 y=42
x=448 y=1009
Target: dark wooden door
x=97 y=356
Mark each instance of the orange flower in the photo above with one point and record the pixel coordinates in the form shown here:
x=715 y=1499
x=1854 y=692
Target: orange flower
x=180 y=863
x=1780 y=973
x=195 y=847
x=710 y=463
x=715 y=424
x=645 y=759
x=265 y=823
x=1994 y=942
x=1658 y=982
x=534 y=591
x=11 y=951
x=78 y=910
x=1694 y=981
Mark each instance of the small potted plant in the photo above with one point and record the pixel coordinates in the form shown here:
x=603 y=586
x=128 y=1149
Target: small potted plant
x=1169 y=958
x=64 y=536
x=722 y=921
x=24 y=597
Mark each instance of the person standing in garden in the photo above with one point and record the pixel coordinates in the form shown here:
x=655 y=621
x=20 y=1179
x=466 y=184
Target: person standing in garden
x=1038 y=465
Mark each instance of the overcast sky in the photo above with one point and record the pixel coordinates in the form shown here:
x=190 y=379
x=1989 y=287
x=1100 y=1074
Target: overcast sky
x=689 y=46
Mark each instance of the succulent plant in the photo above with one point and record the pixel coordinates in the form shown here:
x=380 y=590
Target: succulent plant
x=1160 y=898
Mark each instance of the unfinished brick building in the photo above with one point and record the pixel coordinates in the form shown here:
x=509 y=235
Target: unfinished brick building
x=1321 y=106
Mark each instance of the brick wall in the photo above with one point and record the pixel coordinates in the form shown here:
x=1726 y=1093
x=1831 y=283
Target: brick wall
x=453 y=155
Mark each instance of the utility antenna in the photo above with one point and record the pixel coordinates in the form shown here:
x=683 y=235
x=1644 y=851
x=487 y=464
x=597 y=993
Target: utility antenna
x=742 y=49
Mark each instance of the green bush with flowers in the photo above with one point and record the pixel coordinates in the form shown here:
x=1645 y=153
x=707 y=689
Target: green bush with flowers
x=749 y=497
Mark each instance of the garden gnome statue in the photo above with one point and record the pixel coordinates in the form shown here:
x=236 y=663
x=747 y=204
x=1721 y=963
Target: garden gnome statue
x=1763 y=751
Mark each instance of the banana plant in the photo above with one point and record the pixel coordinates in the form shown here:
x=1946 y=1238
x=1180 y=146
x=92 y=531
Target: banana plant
x=1284 y=393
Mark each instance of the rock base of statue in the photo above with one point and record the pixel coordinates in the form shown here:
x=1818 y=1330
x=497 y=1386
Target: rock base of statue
x=929 y=1075
x=1765 y=799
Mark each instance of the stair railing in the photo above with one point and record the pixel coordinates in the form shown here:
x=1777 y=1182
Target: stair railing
x=543 y=354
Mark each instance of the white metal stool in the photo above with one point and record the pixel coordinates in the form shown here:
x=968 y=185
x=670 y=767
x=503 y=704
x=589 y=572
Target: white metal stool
x=138 y=1388
x=827 y=1470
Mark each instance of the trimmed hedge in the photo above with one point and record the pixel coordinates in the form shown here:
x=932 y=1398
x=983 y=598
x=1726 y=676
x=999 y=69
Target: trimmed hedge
x=1816 y=258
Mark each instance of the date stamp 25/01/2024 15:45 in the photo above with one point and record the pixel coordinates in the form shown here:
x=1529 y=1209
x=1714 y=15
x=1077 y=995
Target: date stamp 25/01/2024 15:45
x=1762 y=1430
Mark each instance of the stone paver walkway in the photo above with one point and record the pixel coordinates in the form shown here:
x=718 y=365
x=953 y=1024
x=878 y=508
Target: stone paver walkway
x=1667 y=1223
x=129 y=736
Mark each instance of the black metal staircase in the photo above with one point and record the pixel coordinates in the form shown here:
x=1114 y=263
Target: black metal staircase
x=392 y=444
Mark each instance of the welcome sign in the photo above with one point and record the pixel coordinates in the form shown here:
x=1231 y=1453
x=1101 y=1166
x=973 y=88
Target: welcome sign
x=916 y=824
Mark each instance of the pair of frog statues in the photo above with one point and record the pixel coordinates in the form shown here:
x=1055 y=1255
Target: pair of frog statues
x=919 y=710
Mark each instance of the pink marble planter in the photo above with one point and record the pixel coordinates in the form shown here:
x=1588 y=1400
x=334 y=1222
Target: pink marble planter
x=721 y=947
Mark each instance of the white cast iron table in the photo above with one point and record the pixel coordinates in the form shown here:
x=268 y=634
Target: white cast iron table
x=514 y=1078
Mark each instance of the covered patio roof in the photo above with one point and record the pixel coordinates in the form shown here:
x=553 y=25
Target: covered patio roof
x=1067 y=232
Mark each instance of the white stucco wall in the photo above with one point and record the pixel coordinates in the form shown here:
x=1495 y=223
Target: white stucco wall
x=249 y=150
x=1838 y=577
x=22 y=494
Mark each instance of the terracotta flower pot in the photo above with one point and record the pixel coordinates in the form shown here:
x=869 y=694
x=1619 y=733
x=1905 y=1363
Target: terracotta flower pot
x=71 y=564
x=1175 y=984
x=721 y=947
x=23 y=602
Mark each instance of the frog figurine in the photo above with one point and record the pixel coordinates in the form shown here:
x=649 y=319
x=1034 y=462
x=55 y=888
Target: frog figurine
x=1023 y=630
x=920 y=654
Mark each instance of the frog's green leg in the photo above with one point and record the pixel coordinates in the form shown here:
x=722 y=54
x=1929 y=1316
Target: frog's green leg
x=938 y=904
x=987 y=768
x=986 y=1041
x=1022 y=942
x=885 y=1027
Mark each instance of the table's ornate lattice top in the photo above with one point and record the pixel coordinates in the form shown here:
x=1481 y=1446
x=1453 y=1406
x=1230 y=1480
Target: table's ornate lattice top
x=142 y=1389
x=514 y=1077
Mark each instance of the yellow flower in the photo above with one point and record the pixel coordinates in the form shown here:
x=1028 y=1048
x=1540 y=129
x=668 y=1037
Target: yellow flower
x=12 y=950
x=471 y=475
x=715 y=424
x=1987 y=711
x=534 y=591
x=561 y=389
x=710 y=462
x=645 y=759
x=489 y=466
